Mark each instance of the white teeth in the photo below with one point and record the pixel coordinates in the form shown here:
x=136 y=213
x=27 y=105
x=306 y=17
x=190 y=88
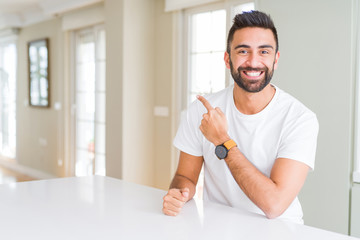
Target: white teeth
x=253 y=74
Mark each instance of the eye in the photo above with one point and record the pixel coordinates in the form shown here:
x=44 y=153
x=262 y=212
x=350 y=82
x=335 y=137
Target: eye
x=264 y=52
x=242 y=52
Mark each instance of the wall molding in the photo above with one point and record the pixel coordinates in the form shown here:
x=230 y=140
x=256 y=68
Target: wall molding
x=174 y=5
x=54 y=7
x=8 y=35
x=83 y=18
x=31 y=172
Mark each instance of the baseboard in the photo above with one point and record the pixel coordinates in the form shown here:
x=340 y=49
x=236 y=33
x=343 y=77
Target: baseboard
x=31 y=172
x=355 y=211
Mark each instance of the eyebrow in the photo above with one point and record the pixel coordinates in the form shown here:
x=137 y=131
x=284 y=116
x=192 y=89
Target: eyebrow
x=242 y=46
x=266 y=46
x=247 y=46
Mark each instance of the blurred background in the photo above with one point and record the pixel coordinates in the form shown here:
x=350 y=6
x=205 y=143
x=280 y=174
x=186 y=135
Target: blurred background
x=97 y=87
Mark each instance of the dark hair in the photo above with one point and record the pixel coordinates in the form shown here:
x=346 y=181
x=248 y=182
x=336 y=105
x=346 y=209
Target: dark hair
x=251 y=19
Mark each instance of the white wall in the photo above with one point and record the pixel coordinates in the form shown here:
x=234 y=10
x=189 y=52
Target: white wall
x=355 y=211
x=316 y=67
x=130 y=89
x=163 y=94
x=130 y=72
x=138 y=91
x=39 y=130
x=114 y=21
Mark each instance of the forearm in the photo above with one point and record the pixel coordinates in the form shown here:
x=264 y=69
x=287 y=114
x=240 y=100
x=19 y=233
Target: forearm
x=260 y=189
x=181 y=182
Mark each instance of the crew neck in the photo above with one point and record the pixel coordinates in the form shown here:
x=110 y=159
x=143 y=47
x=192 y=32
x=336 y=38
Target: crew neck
x=259 y=114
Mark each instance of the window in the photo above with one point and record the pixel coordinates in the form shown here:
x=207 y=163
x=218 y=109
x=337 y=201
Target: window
x=206 y=34
x=89 y=102
x=356 y=171
x=8 y=99
x=205 y=67
x=206 y=51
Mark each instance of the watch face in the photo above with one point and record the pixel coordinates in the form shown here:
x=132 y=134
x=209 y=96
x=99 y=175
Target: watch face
x=221 y=151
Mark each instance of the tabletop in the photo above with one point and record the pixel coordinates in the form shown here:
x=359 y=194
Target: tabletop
x=97 y=207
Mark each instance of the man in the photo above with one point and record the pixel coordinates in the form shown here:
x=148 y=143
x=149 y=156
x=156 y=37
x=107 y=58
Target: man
x=257 y=143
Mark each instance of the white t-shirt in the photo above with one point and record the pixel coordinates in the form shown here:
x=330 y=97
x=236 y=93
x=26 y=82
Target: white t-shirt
x=285 y=128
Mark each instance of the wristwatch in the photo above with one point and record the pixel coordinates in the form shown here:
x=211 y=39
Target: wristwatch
x=221 y=151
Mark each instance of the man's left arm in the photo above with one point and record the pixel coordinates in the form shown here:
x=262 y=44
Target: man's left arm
x=273 y=194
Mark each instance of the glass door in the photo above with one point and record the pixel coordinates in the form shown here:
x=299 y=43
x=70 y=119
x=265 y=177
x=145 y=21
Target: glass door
x=89 y=102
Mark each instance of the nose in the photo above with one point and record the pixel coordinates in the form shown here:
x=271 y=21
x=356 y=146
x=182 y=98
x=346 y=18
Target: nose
x=253 y=60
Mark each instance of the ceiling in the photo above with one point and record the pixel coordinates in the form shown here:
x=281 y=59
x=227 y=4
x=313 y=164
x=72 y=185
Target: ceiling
x=17 y=6
x=20 y=13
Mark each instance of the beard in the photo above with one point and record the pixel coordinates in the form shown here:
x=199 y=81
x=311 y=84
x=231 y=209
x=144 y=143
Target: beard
x=251 y=86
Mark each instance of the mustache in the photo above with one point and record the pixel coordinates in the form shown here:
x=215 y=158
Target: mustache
x=264 y=69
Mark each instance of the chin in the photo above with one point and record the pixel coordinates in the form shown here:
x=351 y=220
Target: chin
x=252 y=87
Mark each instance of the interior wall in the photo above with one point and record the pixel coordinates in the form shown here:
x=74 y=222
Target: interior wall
x=39 y=132
x=315 y=67
x=114 y=21
x=163 y=94
x=131 y=61
x=355 y=211
x=139 y=76
x=138 y=91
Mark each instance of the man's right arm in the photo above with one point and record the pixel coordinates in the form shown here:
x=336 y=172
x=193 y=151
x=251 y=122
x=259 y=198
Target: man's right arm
x=183 y=185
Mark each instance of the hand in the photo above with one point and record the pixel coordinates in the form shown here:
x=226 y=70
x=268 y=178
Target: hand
x=174 y=200
x=214 y=124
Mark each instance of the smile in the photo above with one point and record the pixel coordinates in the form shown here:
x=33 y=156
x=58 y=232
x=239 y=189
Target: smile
x=253 y=73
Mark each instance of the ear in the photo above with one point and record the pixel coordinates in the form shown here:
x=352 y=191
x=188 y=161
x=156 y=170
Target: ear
x=226 y=60
x=277 y=55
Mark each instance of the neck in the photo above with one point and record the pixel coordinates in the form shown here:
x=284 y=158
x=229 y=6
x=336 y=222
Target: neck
x=252 y=103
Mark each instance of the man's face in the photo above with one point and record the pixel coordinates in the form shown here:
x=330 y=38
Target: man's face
x=252 y=58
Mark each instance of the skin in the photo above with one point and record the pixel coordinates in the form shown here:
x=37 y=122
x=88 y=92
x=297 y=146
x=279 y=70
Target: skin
x=250 y=48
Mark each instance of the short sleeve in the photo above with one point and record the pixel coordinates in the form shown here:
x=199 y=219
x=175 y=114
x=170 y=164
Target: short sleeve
x=189 y=137
x=299 y=139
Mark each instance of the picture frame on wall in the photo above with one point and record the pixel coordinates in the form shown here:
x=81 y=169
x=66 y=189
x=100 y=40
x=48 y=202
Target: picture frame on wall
x=38 y=70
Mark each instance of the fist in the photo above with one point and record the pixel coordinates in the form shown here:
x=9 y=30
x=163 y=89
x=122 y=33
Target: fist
x=174 y=200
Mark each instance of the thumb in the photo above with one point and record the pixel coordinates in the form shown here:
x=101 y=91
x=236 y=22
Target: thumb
x=185 y=192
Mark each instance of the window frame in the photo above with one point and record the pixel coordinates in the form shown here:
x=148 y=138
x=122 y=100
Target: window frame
x=10 y=38
x=187 y=48
x=95 y=29
x=356 y=59
x=356 y=167
x=228 y=6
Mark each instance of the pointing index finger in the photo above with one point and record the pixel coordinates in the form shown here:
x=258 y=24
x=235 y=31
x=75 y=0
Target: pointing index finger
x=206 y=104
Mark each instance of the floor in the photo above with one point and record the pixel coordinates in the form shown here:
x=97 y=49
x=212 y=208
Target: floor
x=9 y=176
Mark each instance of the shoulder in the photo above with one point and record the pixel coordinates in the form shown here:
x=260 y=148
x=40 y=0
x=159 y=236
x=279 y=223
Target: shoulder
x=294 y=109
x=289 y=102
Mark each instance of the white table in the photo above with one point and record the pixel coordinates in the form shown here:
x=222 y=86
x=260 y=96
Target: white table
x=105 y=208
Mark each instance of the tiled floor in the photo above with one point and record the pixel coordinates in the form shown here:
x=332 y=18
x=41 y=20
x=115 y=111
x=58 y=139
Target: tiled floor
x=9 y=176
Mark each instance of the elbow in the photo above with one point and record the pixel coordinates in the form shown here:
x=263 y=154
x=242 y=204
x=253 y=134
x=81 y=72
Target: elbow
x=274 y=211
